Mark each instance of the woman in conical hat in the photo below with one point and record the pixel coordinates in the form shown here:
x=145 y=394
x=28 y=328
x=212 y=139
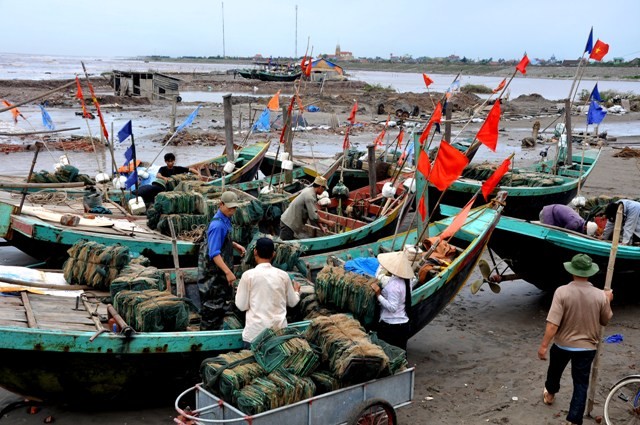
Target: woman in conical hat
x=395 y=299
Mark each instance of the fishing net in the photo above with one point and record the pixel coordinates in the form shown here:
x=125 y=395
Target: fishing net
x=135 y=277
x=287 y=253
x=345 y=346
x=347 y=292
x=152 y=310
x=284 y=349
x=175 y=180
x=177 y=202
x=325 y=381
x=230 y=372
x=512 y=178
x=64 y=174
x=278 y=389
x=94 y=264
x=397 y=356
x=596 y=206
x=182 y=223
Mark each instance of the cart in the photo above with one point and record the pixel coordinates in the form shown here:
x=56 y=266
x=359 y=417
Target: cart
x=372 y=402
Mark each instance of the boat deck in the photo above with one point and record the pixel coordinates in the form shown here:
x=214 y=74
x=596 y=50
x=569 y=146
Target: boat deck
x=29 y=310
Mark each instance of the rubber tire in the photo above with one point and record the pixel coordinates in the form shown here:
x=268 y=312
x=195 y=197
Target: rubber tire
x=614 y=393
x=361 y=410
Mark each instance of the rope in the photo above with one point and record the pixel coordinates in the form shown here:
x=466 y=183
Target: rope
x=49 y=198
x=195 y=234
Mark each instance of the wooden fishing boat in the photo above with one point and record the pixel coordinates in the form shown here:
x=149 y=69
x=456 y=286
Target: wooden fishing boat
x=53 y=350
x=536 y=253
x=247 y=163
x=526 y=201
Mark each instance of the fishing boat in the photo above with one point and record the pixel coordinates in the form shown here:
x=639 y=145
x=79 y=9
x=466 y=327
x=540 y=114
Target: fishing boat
x=246 y=165
x=535 y=252
x=529 y=188
x=271 y=71
x=54 y=350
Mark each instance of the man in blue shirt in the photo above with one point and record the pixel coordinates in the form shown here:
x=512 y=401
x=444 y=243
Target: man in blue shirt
x=215 y=275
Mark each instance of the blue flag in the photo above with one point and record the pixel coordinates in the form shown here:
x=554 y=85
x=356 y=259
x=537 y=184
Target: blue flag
x=125 y=132
x=589 y=47
x=263 y=123
x=129 y=154
x=132 y=179
x=596 y=113
x=595 y=94
x=46 y=119
x=189 y=119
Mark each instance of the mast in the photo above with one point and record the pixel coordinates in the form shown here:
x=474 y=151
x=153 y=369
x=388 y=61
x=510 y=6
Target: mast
x=295 y=52
x=223 y=51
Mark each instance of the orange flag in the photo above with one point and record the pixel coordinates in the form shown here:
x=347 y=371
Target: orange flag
x=352 y=116
x=457 y=222
x=448 y=166
x=422 y=209
x=307 y=69
x=379 y=141
x=500 y=86
x=492 y=182
x=522 y=66
x=80 y=96
x=424 y=165
x=98 y=111
x=427 y=81
x=436 y=116
x=15 y=112
x=274 y=103
x=488 y=133
x=599 y=50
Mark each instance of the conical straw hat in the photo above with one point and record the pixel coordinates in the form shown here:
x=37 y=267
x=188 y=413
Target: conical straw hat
x=397 y=263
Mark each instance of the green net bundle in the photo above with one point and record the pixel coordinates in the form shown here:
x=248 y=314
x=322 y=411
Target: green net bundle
x=325 y=381
x=135 y=277
x=177 y=179
x=274 y=204
x=596 y=206
x=64 y=174
x=228 y=373
x=94 y=264
x=284 y=349
x=347 y=292
x=199 y=186
x=345 y=346
x=278 y=389
x=397 y=356
x=286 y=256
x=152 y=310
x=176 y=202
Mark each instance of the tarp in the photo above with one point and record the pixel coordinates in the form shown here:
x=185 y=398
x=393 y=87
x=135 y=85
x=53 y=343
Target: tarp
x=297 y=121
x=262 y=124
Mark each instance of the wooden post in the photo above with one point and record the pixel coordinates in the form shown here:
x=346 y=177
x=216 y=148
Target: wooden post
x=174 y=251
x=447 y=123
x=228 y=126
x=33 y=164
x=288 y=146
x=371 y=158
x=607 y=286
x=174 y=107
x=567 y=111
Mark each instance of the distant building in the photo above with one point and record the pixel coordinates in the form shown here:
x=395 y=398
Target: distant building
x=618 y=60
x=342 y=54
x=146 y=84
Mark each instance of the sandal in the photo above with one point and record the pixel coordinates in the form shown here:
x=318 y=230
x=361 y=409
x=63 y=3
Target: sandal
x=547 y=397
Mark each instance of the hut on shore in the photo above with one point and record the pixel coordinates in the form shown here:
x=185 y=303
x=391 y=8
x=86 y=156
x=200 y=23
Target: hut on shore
x=151 y=85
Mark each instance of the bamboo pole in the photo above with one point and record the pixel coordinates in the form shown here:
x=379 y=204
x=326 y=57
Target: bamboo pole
x=33 y=99
x=607 y=286
x=31 y=133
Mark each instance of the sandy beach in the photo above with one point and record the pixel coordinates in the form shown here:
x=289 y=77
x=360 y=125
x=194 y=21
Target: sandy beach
x=476 y=363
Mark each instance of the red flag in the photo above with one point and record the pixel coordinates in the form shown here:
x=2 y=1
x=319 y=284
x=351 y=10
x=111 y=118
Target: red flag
x=448 y=166
x=352 y=116
x=98 y=111
x=80 y=96
x=599 y=50
x=345 y=143
x=422 y=209
x=424 y=164
x=436 y=116
x=303 y=63
x=274 y=103
x=15 y=112
x=492 y=182
x=457 y=222
x=404 y=152
x=379 y=141
x=522 y=66
x=307 y=69
x=488 y=133
x=500 y=86
x=427 y=81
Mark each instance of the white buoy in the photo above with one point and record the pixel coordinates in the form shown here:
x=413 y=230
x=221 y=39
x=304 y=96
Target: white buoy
x=410 y=184
x=102 y=178
x=64 y=160
x=287 y=165
x=267 y=189
x=229 y=167
x=143 y=175
x=388 y=191
x=119 y=182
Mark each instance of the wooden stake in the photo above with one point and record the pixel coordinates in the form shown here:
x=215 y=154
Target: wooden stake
x=180 y=291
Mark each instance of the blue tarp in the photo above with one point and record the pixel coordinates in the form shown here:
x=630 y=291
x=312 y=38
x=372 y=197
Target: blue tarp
x=263 y=123
x=365 y=266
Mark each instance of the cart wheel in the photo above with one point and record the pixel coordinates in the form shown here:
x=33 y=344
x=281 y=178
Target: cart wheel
x=375 y=411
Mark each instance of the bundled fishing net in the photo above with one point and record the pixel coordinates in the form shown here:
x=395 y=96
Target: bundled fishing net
x=94 y=264
x=278 y=389
x=152 y=310
x=64 y=174
x=175 y=180
x=512 y=178
x=325 y=381
x=345 y=346
x=230 y=372
x=177 y=202
x=397 y=356
x=284 y=349
x=596 y=206
x=273 y=205
x=347 y=292
x=135 y=277
x=287 y=253
x=200 y=187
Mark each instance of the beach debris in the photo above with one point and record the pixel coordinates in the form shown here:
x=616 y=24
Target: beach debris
x=627 y=152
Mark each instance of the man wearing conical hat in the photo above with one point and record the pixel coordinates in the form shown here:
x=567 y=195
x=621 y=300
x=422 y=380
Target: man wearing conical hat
x=303 y=210
x=577 y=312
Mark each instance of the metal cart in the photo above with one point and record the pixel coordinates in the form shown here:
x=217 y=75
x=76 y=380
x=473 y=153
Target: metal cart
x=372 y=402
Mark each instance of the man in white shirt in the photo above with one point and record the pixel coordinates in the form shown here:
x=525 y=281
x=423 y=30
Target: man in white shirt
x=264 y=292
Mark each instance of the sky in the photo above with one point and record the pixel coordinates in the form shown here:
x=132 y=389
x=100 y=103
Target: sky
x=476 y=29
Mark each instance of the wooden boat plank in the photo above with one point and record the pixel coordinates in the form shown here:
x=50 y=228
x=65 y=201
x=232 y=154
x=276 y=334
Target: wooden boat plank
x=13 y=323
x=69 y=326
x=18 y=315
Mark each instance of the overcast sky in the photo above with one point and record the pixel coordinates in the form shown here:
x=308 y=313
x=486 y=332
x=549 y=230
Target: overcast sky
x=367 y=28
